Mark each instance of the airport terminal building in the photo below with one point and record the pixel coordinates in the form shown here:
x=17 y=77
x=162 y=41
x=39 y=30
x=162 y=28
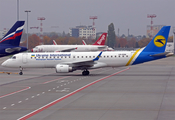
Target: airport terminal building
x=83 y=31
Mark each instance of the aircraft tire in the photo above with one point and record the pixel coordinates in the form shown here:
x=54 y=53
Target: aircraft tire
x=20 y=73
x=85 y=73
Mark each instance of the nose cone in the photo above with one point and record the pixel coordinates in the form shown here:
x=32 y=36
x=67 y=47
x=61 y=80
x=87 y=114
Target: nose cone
x=4 y=64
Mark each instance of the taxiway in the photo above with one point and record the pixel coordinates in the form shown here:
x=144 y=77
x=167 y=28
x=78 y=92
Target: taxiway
x=141 y=92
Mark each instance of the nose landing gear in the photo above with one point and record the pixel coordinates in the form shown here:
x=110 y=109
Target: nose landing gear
x=20 y=73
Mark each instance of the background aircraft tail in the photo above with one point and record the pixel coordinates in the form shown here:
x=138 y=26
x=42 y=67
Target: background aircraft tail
x=158 y=43
x=13 y=36
x=101 y=40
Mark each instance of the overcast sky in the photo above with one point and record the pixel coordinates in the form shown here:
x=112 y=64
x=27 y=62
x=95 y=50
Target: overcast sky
x=125 y=14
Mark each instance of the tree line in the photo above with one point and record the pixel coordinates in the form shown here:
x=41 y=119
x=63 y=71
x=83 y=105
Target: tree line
x=112 y=40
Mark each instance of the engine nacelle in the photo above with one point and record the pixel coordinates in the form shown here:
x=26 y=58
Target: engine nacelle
x=63 y=68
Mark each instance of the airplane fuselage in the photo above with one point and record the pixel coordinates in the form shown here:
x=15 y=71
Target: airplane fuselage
x=72 y=48
x=50 y=60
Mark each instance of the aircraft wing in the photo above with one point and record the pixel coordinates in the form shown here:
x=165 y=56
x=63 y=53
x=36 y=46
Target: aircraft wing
x=66 y=50
x=83 y=63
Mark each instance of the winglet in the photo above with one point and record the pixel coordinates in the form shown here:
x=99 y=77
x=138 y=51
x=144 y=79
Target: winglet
x=84 y=43
x=95 y=59
x=54 y=42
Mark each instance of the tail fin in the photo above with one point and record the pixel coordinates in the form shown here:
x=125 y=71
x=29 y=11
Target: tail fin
x=101 y=40
x=158 y=43
x=13 y=36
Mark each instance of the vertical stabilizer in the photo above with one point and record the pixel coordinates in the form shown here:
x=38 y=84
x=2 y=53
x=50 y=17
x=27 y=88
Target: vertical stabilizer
x=101 y=40
x=158 y=43
x=13 y=36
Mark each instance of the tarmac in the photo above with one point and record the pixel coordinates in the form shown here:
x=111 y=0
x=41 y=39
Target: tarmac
x=140 y=92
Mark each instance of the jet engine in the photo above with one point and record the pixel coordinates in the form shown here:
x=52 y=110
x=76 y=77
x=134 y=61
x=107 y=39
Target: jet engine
x=63 y=68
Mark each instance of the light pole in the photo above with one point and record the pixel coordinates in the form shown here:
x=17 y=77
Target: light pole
x=27 y=26
x=17 y=10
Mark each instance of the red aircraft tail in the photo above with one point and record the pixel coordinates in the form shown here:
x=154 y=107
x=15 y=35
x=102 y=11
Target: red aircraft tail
x=101 y=40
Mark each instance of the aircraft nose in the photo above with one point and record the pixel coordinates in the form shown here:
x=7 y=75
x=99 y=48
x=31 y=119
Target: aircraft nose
x=4 y=64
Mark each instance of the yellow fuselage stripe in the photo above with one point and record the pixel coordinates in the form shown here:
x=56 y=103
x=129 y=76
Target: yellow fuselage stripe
x=132 y=57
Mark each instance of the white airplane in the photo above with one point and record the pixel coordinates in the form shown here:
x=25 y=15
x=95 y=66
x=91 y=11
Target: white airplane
x=71 y=61
x=97 y=46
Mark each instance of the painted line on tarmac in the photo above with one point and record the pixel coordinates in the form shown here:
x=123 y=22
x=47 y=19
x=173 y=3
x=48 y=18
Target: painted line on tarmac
x=66 y=96
x=15 y=92
x=55 y=80
x=8 y=73
x=63 y=77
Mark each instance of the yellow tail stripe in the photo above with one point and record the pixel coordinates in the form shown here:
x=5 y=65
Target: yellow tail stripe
x=132 y=57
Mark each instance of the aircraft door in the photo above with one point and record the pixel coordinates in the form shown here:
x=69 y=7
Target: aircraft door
x=24 y=58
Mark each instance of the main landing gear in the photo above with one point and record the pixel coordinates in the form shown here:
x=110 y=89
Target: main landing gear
x=20 y=73
x=85 y=72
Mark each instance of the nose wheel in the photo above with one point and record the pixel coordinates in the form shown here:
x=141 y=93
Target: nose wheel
x=20 y=73
x=85 y=72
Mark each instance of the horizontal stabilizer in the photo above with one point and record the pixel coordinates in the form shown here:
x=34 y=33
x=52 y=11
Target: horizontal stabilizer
x=167 y=54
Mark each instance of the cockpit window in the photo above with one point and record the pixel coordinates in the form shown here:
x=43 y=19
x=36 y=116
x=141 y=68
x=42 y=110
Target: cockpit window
x=13 y=57
x=36 y=47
